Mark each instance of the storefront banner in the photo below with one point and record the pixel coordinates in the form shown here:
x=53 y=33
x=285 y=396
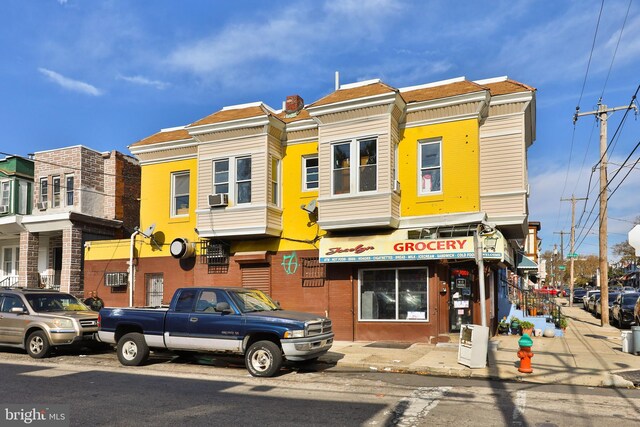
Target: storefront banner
x=389 y=248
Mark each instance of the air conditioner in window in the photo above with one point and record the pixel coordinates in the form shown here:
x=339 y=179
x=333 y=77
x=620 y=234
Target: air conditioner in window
x=41 y=206
x=4 y=209
x=216 y=200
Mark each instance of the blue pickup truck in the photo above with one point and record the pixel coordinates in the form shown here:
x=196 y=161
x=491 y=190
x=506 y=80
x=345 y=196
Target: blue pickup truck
x=220 y=320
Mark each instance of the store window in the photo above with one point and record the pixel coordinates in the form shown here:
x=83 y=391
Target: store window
x=430 y=178
x=355 y=166
x=394 y=294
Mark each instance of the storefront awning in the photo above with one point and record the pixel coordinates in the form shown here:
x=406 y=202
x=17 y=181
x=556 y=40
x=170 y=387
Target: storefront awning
x=526 y=263
x=397 y=247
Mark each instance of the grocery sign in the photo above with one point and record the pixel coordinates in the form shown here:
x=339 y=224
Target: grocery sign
x=390 y=248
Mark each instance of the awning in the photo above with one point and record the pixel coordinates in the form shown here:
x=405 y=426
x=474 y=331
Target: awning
x=526 y=263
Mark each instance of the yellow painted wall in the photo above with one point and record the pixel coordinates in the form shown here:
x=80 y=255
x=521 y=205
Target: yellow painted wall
x=460 y=169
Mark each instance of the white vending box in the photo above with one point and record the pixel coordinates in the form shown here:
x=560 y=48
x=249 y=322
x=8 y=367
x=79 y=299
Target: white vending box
x=472 y=351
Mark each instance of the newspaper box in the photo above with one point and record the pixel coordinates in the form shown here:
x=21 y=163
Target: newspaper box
x=472 y=351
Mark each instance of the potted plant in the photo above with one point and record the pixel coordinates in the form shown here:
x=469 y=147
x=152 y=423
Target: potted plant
x=527 y=327
x=563 y=323
x=503 y=326
x=515 y=325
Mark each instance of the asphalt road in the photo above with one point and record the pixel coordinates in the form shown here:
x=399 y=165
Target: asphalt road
x=212 y=392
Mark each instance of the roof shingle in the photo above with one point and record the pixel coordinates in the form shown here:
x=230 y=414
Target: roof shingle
x=354 y=93
x=167 y=136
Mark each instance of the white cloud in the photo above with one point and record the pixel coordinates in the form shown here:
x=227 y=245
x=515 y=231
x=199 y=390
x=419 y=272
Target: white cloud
x=143 y=81
x=70 y=84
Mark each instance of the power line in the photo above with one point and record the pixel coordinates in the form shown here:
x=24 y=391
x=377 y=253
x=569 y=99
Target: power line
x=590 y=56
x=616 y=49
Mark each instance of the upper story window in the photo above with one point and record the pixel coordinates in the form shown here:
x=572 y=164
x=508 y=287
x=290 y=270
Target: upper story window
x=5 y=193
x=355 y=166
x=310 y=170
x=233 y=177
x=69 y=190
x=430 y=178
x=56 y=191
x=275 y=181
x=44 y=190
x=179 y=193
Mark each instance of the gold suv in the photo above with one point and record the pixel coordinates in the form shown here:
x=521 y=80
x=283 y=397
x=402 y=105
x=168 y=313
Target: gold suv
x=39 y=320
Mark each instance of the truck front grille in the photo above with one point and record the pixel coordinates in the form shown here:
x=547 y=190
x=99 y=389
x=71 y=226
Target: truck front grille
x=319 y=327
x=89 y=323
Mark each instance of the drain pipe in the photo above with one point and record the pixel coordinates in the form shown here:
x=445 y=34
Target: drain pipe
x=480 y=261
x=131 y=267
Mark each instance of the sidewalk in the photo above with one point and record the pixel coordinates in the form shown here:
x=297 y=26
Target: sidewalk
x=588 y=355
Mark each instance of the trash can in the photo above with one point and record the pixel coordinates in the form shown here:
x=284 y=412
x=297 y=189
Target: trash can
x=635 y=331
x=627 y=341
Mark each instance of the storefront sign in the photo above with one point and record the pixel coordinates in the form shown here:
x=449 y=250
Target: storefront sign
x=390 y=248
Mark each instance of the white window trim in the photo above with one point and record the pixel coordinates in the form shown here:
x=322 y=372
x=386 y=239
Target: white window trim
x=362 y=270
x=354 y=167
x=53 y=193
x=174 y=175
x=15 y=255
x=44 y=198
x=305 y=183
x=8 y=184
x=278 y=186
x=232 y=178
x=66 y=190
x=422 y=143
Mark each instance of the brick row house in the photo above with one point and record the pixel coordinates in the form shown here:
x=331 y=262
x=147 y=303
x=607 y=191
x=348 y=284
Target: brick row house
x=79 y=195
x=362 y=205
x=16 y=194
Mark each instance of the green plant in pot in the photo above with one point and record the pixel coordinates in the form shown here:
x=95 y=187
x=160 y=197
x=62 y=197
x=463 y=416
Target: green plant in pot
x=563 y=323
x=515 y=325
x=526 y=327
x=503 y=326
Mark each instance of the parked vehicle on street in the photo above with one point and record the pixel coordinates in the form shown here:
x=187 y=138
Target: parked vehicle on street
x=592 y=301
x=40 y=320
x=578 y=293
x=547 y=290
x=598 y=307
x=622 y=311
x=585 y=298
x=220 y=320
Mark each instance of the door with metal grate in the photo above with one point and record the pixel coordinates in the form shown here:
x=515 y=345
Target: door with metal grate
x=257 y=276
x=155 y=289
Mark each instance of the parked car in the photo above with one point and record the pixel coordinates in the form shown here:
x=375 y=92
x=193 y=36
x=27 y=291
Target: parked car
x=585 y=298
x=598 y=308
x=221 y=320
x=629 y=289
x=622 y=311
x=547 y=290
x=578 y=293
x=40 y=320
x=592 y=301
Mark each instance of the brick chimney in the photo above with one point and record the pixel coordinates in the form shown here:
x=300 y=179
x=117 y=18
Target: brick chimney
x=294 y=104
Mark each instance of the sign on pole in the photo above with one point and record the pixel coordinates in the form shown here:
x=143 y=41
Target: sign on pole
x=634 y=238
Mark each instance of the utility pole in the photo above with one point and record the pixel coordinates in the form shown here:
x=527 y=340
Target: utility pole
x=572 y=253
x=561 y=233
x=602 y=114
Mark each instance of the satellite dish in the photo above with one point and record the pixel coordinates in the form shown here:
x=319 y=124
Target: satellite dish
x=309 y=207
x=149 y=231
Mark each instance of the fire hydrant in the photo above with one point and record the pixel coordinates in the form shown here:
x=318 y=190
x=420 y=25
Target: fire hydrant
x=525 y=354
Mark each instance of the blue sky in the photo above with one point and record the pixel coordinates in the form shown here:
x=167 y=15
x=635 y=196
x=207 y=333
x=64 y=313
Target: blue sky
x=105 y=74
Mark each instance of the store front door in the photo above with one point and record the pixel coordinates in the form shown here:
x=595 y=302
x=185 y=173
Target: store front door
x=460 y=300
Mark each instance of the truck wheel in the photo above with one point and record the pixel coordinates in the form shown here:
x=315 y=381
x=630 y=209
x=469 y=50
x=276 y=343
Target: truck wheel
x=38 y=345
x=133 y=349
x=263 y=359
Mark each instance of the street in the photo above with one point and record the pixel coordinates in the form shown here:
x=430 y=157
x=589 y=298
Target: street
x=173 y=391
